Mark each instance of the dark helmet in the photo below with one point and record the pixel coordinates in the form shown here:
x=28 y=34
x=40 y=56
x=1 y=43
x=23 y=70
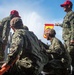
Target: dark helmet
x=16 y=22
x=66 y=3
x=51 y=32
x=25 y=27
x=14 y=13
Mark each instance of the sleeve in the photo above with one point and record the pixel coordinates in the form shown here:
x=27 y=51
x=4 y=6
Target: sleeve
x=61 y=24
x=72 y=26
x=56 y=48
x=16 y=45
x=6 y=29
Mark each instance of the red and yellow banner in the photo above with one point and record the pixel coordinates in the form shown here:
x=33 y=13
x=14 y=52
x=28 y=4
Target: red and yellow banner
x=51 y=26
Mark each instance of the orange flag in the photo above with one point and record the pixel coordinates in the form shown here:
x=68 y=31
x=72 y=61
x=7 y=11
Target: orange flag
x=51 y=26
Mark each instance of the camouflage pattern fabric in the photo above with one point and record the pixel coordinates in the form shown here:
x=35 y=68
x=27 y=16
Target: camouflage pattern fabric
x=70 y=50
x=25 y=44
x=1 y=47
x=1 y=54
x=68 y=26
x=60 y=58
x=6 y=28
x=1 y=51
x=1 y=28
x=25 y=62
x=4 y=32
x=68 y=33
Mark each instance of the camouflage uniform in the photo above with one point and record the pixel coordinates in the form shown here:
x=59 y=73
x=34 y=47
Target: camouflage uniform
x=60 y=58
x=6 y=28
x=1 y=28
x=1 y=47
x=68 y=33
x=5 y=23
x=26 y=46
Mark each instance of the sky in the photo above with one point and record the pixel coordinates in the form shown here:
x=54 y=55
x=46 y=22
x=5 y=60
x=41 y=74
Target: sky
x=36 y=13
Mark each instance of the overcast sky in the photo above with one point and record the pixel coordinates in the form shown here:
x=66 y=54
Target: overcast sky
x=35 y=13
